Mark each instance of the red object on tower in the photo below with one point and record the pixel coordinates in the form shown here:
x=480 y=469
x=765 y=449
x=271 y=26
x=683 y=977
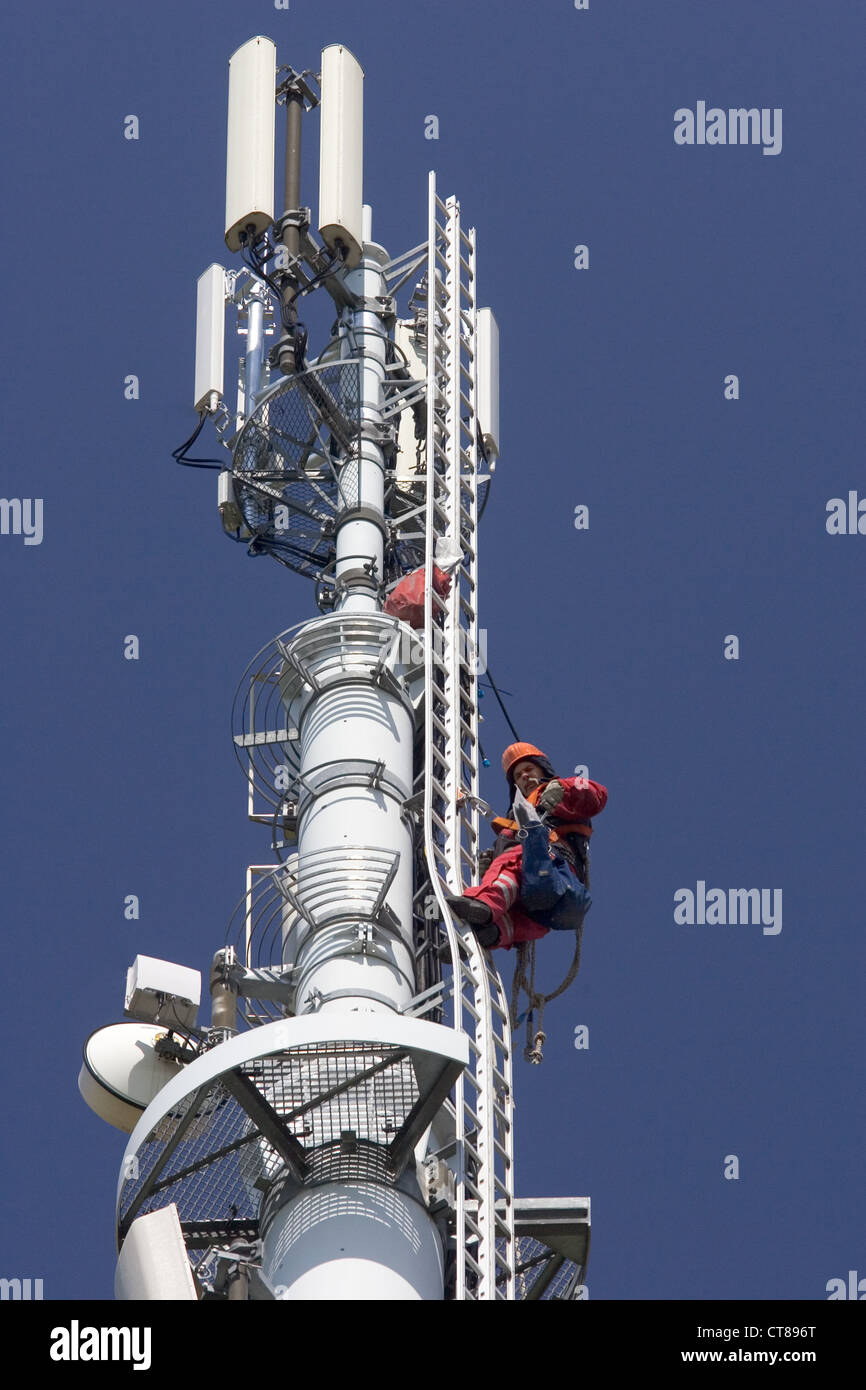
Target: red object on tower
x=406 y=602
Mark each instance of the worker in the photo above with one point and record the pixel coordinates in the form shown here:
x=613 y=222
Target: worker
x=493 y=908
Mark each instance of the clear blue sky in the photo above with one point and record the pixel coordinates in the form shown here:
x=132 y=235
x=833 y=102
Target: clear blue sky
x=707 y=518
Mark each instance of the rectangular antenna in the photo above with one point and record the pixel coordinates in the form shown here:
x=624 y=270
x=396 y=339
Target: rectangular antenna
x=341 y=151
x=487 y=404
x=210 y=328
x=250 y=145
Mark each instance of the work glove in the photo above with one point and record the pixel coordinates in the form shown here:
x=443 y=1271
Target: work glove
x=485 y=859
x=551 y=797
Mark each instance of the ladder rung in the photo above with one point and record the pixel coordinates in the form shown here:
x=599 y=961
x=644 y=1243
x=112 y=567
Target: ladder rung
x=466 y=266
x=497 y=1182
x=434 y=719
x=471 y=1149
x=473 y=1227
x=501 y=1227
x=506 y=1264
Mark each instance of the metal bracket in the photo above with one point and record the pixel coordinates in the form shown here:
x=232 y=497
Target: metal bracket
x=385 y=679
x=411 y=393
x=377 y=432
x=387 y=917
x=264 y=984
x=357 y=579
x=297 y=665
x=294 y=217
x=295 y=84
x=414 y=805
x=385 y=305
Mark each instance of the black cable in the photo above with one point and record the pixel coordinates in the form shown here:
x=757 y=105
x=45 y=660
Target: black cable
x=256 y=263
x=479 y=439
x=484 y=503
x=180 y=456
x=322 y=275
x=502 y=706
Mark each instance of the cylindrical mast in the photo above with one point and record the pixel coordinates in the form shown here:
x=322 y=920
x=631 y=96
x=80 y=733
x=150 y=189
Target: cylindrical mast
x=291 y=234
x=360 y=1239
x=360 y=525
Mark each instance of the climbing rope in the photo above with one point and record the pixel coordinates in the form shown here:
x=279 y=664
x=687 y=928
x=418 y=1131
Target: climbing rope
x=524 y=978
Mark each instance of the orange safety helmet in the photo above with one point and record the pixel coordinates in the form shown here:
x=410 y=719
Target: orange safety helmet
x=516 y=751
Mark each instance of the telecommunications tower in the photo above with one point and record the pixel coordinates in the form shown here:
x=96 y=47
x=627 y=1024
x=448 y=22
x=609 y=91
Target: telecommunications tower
x=343 y=1128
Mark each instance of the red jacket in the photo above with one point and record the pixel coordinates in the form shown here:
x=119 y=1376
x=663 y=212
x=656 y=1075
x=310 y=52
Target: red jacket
x=582 y=800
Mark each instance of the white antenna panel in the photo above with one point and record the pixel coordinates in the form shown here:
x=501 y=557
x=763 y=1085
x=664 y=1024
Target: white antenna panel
x=341 y=151
x=250 y=146
x=210 y=331
x=487 y=342
x=153 y=1263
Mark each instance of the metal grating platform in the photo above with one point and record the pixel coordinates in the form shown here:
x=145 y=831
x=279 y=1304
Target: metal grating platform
x=315 y=1110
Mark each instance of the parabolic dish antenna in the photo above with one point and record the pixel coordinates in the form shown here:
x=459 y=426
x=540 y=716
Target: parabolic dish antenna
x=122 y=1072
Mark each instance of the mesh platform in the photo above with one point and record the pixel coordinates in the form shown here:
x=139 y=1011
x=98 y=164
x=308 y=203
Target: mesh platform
x=325 y=1112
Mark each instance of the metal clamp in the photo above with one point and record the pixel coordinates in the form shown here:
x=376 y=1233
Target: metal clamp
x=295 y=217
x=361 y=514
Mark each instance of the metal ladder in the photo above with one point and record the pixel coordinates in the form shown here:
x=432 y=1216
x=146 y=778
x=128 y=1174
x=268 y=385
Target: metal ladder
x=483 y=1106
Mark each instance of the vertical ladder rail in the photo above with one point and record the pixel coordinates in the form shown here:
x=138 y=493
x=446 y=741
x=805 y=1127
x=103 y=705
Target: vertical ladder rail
x=484 y=1119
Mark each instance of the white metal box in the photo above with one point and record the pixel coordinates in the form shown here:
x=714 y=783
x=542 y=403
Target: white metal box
x=250 y=144
x=158 y=991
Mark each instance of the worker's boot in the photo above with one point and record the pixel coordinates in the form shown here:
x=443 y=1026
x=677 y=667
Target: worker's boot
x=470 y=910
x=476 y=915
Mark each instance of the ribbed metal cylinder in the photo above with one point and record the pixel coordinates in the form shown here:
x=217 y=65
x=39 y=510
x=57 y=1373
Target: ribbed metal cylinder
x=354 y=838
x=353 y=1242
